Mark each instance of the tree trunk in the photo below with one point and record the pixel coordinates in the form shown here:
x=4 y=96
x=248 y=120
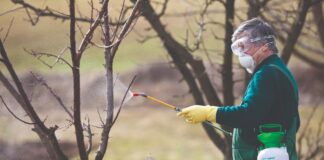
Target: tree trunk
x=76 y=87
x=227 y=74
x=181 y=58
x=295 y=31
x=110 y=90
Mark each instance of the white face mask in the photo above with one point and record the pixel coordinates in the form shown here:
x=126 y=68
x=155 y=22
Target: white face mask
x=247 y=62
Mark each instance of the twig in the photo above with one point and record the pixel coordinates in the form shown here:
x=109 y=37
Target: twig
x=80 y=29
x=114 y=35
x=4 y=103
x=33 y=86
x=164 y=7
x=88 y=36
x=91 y=13
x=147 y=38
x=7 y=33
x=100 y=118
x=114 y=46
x=39 y=55
x=33 y=22
x=58 y=98
x=127 y=26
x=123 y=100
x=9 y=11
x=87 y=128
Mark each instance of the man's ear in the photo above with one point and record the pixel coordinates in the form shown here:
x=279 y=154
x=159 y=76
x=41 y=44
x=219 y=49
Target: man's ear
x=265 y=47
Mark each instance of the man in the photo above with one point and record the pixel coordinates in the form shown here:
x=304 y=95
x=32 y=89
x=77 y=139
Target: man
x=271 y=96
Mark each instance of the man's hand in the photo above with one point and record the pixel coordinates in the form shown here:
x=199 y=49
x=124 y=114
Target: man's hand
x=197 y=114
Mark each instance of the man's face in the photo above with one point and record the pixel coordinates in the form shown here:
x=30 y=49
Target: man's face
x=245 y=44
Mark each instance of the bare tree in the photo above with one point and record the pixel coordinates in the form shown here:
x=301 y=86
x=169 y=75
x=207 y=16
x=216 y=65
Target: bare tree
x=193 y=69
x=111 y=43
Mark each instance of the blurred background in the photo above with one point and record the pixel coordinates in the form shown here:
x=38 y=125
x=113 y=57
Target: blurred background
x=145 y=130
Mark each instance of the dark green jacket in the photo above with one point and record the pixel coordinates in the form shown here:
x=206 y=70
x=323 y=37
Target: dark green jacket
x=269 y=98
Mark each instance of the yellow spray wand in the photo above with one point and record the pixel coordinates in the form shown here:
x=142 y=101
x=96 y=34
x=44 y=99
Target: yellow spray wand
x=178 y=110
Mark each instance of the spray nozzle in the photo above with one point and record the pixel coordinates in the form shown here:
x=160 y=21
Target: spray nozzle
x=139 y=94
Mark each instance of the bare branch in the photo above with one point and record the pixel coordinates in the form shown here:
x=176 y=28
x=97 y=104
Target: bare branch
x=7 y=33
x=59 y=58
x=80 y=29
x=164 y=7
x=9 y=11
x=201 y=26
x=59 y=100
x=311 y=49
x=100 y=118
x=127 y=26
x=88 y=36
x=32 y=20
x=4 y=103
x=115 y=44
x=122 y=13
x=216 y=36
x=147 y=38
x=215 y=23
x=87 y=129
x=123 y=100
x=91 y=13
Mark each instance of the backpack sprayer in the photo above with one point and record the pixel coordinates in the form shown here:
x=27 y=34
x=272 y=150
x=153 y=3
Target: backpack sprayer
x=177 y=110
x=271 y=137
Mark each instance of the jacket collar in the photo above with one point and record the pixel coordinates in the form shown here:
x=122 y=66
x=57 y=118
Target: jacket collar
x=266 y=61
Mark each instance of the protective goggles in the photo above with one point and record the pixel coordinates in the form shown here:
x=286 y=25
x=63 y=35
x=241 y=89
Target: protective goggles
x=242 y=45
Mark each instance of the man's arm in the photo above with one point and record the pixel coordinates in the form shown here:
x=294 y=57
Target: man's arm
x=256 y=103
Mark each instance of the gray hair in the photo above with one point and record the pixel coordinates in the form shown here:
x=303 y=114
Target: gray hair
x=259 y=32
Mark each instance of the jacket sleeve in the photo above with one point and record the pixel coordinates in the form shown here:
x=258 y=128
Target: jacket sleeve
x=256 y=103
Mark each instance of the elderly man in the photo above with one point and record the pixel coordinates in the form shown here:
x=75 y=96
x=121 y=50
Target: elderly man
x=270 y=98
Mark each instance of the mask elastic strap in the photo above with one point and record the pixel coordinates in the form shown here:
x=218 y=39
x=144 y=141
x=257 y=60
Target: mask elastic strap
x=258 y=52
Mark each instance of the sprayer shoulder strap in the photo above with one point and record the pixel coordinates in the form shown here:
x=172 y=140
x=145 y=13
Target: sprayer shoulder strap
x=288 y=77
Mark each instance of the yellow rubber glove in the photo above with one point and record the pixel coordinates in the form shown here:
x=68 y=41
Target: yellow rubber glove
x=197 y=114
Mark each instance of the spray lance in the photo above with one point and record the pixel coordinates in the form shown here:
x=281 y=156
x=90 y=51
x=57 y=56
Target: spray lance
x=177 y=110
